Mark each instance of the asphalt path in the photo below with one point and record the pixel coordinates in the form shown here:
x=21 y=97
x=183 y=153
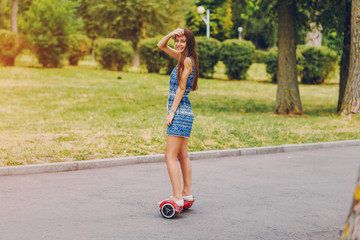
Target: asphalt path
x=294 y=195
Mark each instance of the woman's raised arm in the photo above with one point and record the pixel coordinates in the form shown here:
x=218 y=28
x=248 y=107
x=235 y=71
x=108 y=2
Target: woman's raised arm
x=163 y=43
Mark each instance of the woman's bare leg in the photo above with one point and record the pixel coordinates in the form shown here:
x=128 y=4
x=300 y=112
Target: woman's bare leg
x=173 y=146
x=185 y=164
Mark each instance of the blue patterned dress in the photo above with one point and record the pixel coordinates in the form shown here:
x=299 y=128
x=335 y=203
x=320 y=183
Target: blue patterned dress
x=184 y=117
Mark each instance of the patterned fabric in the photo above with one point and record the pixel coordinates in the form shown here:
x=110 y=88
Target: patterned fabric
x=184 y=117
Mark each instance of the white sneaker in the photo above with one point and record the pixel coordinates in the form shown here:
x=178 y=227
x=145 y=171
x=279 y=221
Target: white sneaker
x=189 y=198
x=180 y=203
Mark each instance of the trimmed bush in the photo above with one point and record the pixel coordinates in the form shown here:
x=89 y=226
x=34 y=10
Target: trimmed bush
x=170 y=62
x=114 y=54
x=317 y=64
x=260 y=56
x=314 y=64
x=10 y=47
x=78 y=47
x=151 y=55
x=208 y=54
x=237 y=57
x=270 y=60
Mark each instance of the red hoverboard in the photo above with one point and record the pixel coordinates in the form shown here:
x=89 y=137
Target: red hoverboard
x=170 y=209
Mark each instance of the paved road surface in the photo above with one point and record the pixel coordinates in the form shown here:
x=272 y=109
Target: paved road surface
x=296 y=195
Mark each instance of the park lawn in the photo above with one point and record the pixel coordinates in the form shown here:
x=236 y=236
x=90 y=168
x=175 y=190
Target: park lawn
x=80 y=113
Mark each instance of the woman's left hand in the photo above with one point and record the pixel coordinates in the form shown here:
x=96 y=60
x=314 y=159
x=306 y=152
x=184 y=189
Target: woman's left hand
x=170 y=118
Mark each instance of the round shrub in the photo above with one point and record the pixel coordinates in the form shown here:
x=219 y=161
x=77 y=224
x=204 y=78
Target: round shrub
x=317 y=63
x=78 y=47
x=10 y=46
x=208 y=54
x=114 y=54
x=260 y=56
x=169 y=62
x=151 y=55
x=237 y=57
x=270 y=60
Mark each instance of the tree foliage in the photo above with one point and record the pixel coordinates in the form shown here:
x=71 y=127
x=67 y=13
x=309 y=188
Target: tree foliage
x=5 y=13
x=220 y=19
x=10 y=46
x=47 y=24
x=87 y=12
x=132 y=20
x=244 y=11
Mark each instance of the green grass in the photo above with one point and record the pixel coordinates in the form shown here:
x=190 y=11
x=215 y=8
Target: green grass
x=79 y=113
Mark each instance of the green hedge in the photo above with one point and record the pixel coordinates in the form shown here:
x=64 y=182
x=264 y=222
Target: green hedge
x=314 y=64
x=208 y=53
x=10 y=46
x=170 y=62
x=317 y=64
x=78 y=47
x=154 y=58
x=270 y=60
x=237 y=57
x=114 y=54
x=260 y=56
x=151 y=55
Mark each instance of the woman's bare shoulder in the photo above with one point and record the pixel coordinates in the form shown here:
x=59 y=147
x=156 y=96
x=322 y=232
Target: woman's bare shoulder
x=188 y=62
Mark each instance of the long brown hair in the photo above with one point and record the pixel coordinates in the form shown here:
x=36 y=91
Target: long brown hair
x=190 y=51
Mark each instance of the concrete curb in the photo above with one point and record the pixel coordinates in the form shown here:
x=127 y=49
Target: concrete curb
x=114 y=162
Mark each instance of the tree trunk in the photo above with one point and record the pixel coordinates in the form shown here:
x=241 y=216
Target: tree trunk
x=288 y=96
x=352 y=225
x=136 y=59
x=351 y=102
x=93 y=53
x=14 y=12
x=345 y=57
x=314 y=36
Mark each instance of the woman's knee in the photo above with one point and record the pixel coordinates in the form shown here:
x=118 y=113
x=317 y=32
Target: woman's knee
x=170 y=157
x=182 y=156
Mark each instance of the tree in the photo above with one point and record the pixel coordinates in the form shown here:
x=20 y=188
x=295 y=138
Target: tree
x=220 y=19
x=288 y=96
x=92 y=26
x=10 y=47
x=244 y=11
x=334 y=16
x=133 y=20
x=47 y=24
x=345 y=57
x=351 y=102
x=14 y=12
x=5 y=12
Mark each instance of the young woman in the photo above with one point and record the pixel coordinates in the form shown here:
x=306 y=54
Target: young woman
x=180 y=117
